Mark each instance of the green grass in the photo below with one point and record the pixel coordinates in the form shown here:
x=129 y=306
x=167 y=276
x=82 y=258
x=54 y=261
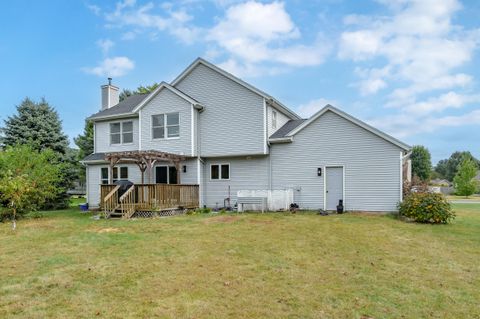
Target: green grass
x=67 y=265
x=474 y=197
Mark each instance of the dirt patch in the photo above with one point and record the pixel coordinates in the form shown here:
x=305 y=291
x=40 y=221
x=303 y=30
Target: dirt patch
x=107 y=230
x=264 y=222
x=222 y=219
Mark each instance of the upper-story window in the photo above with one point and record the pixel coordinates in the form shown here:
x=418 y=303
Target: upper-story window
x=274 y=119
x=166 y=125
x=121 y=132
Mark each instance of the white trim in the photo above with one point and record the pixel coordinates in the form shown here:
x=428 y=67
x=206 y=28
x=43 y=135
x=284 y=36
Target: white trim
x=352 y=119
x=113 y=117
x=265 y=129
x=401 y=176
x=199 y=182
x=165 y=127
x=220 y=172
x=140 y=130
x=286 y=139
x=121 y=133
x=325 y=184
x=94 y=137
x=233 y=78
x=165 y=85
x=118 y=173
x=192 y=128
x=168 y=172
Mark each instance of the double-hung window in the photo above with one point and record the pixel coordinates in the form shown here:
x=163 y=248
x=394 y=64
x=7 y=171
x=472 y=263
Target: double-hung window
x=121 y=132
x=219 y=171
x=165 y=125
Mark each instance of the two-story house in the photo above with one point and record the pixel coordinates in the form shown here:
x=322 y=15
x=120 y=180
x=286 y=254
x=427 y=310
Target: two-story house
x=232 y=136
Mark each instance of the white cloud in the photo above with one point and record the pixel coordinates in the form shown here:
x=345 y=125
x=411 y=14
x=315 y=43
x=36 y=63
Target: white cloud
x=441 y=103
x=94 y=8
x=255 y=33
x=312 y=107
x=105 y=45
x=113 y=67
x=175 y=22
x=418 y=42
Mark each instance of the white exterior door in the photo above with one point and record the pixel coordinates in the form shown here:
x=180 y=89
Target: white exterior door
x=333 y=187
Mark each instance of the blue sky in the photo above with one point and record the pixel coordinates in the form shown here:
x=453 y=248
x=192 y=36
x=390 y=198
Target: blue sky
x=410 y=68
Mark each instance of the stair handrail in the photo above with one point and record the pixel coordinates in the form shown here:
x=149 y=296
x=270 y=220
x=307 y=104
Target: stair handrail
x=127 y=202
x=109 y=203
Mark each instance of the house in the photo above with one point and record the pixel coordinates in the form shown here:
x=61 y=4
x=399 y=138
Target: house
x=214 y=130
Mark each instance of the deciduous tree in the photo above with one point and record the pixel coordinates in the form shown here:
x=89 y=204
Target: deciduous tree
x=464 y=183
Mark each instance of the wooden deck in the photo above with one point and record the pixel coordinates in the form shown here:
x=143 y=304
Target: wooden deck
x=147 y=199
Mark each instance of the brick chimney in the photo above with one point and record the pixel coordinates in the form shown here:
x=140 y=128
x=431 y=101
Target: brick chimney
x=109 y=95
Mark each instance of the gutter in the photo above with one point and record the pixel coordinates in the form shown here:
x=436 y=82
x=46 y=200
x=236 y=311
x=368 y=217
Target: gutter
x=287 y=139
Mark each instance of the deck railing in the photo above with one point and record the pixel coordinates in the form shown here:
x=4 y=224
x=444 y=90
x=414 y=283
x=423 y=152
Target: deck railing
x=150 y=197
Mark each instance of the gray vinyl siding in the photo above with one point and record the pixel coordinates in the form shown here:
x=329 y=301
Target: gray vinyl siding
x=167 y=102
x=281 y=120
x=134 y=175
x=102 y=137
x=245 y=174
x=233 y=120
x=372 y=165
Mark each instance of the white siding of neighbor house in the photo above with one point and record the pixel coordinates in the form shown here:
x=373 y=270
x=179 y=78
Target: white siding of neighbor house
x=281 y=120
x=245 y=174
x=134 y=175
x=372 y=165
x=232 y=122
x=102 y=137
x=167 y=102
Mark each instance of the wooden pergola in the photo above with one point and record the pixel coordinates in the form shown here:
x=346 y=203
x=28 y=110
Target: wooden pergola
x=145 y=160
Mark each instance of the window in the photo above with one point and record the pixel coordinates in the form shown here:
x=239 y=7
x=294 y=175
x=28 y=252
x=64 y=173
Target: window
x=165 y=175
x=127 y=132
x=121 y=132
x=274 y=119
x=104 y=174
x=220 y=171
x=165 y=125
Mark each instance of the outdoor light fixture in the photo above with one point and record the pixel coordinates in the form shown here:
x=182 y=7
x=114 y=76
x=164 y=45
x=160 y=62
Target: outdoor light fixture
x=319 y=171
x=184 y=168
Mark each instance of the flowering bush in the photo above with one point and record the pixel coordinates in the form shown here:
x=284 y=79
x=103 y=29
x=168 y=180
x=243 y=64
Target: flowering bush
x=426 y=208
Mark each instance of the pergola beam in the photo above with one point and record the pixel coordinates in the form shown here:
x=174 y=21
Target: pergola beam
x=145 y=160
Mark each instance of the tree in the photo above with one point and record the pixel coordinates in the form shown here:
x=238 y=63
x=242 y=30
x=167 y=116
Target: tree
x=464 y=183
x=448 y=168
x=27 y=179
x=36 y=124
x=140 y=90
x=421 y=162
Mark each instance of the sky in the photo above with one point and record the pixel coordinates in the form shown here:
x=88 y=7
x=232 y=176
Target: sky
x=408 y=67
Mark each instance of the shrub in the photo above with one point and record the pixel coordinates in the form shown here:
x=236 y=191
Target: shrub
x=205 y=210
x=426 y=208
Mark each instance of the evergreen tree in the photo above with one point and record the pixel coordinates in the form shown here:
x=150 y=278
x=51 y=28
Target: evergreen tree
x=36 y=124
x=140 y=90
x=465 y=185
x=421 y=163
x=85 y=141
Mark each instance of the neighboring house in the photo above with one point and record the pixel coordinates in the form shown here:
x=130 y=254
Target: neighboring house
x=235 y=137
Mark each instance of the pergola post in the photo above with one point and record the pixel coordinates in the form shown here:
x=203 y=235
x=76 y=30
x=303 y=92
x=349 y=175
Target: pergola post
x=178 y=167
x=113 y=161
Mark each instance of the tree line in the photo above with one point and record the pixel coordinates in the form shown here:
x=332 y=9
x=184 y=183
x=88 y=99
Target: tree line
x=460 y=169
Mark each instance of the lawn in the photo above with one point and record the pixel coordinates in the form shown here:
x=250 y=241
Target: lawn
x=273 y=265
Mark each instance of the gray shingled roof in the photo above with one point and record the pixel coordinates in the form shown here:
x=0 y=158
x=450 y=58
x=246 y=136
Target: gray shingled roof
x=94 y=157
x=287 y=128
x=124 y=107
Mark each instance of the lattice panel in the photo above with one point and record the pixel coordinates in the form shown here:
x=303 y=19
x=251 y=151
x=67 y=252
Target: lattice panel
x=163 y=213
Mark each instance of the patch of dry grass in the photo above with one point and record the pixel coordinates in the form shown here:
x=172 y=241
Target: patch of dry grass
x=249 y=266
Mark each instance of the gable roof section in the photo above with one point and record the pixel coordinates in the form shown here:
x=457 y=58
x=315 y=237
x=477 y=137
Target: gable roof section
x=172 y=89
x=352 y=119
x=230 y=76
x=286 y=128
x=124 y=108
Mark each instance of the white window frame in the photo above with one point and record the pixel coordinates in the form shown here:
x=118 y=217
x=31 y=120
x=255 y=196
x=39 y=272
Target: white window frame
x=220 y=178
x=165 y=127
x=274 y=119
x=121 y=133
x=113 y=179
x=168 y=173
